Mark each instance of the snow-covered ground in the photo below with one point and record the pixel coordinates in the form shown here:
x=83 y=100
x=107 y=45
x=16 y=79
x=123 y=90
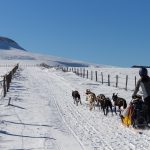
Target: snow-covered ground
x=42 y=115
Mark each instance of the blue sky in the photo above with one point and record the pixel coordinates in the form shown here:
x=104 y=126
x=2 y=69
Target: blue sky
x=110 y=32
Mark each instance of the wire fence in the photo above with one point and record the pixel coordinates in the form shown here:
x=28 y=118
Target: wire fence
x=5 y=81
x=123 y=78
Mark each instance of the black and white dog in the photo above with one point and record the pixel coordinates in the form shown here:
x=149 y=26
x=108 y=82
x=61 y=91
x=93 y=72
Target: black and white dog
x=76 y=97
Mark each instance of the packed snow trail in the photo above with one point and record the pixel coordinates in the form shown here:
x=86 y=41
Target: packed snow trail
x=32 y=121
x=43 y=115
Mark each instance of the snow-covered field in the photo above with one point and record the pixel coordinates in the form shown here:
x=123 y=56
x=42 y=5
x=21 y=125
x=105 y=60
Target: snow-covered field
x=42 y=115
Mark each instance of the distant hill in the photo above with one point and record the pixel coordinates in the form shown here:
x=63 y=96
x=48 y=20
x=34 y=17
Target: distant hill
x=138 y=66
x=11 y=50
x=8 y=44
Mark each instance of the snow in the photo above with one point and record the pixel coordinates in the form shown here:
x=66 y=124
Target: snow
x=26 y=56
x=42 y=115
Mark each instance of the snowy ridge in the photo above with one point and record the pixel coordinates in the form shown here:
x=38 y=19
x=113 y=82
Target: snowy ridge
x=11 y=50
x=29 y=57
x=8 y=44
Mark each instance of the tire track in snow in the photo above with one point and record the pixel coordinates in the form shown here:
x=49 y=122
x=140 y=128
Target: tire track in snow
x=104 y=136
x=47 y=85
x=61 y=114
x=90 y=131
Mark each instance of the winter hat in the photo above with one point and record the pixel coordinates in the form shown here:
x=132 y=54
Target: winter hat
x=143 y=71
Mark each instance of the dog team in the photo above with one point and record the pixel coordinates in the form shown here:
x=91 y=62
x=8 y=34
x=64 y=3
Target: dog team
x=100 y=101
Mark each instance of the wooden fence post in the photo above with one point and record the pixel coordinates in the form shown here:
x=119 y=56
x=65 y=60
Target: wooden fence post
x=116 y=80
x=102 y=77
x=77 y=71
x=84 y=73
x=9 y=101
x=80 y=72
x=108 y=80
x=7 y=81
x=96 y=76
x=135 y=81
x=87 y=74
x=126 y=82
x=91 y=75
x=4 y=85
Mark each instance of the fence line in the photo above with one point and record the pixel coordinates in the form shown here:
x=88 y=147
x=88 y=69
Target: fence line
x=7 y=80
x=116 y=81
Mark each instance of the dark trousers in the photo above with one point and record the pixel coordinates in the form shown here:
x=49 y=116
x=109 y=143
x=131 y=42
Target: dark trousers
x=147 y=103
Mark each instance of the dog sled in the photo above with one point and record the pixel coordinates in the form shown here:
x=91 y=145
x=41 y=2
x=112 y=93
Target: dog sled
x=135 y=114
